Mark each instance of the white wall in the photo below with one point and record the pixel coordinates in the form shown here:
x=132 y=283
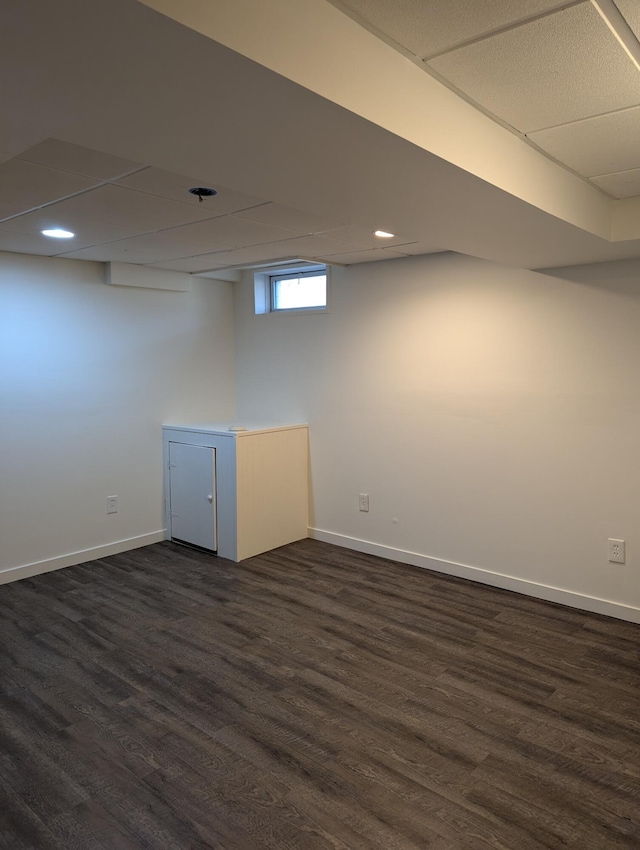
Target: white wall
x=88 y=373
x=492 y=414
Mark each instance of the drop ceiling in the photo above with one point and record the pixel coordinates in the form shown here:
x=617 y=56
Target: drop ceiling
x=124 y=211
x=559 y=74
x=506 y=130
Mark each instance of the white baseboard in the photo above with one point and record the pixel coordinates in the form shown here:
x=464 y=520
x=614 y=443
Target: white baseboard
x=519 y=585
x=73 y=558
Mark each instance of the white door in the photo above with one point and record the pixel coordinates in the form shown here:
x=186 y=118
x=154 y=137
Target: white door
x=192 y=492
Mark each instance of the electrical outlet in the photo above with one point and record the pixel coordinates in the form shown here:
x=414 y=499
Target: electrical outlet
x=616 y=551
x=364 y=501
x=112 y=504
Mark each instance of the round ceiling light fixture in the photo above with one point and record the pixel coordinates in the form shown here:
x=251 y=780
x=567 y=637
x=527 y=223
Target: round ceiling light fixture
x=58 y=233
x=202 y=192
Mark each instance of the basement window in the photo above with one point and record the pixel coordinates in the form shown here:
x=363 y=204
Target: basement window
x=299 y=290
x=291 y=289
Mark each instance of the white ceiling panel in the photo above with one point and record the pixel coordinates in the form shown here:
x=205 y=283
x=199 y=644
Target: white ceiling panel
x=232 y=232
x=624 y=184
x=88 y=231
x=25 y=185
x=106 y=254
x=318 y=246
x=148 y=248
x=135 y=210
x=216 y=234
x=164 y=184
x=363 y=237
x=415 y=248
x=369 y=256
x=23 y=243
x=234 y=257
x=602 y=145
x=191 y=265
x=571 y=53
x=66 y=157
x=631 y=11
x=117 y=252
x=426 y=27
x=282 y=216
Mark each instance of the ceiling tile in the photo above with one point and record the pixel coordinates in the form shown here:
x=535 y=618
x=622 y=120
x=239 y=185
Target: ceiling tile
x=362 y=237
x=571 y=54
x=25 y=185
x=234 y=257
x=88 y=231
x=116 y=252
x=230 y=231
x=191 y=240
x=313 y=247
x=415 y=248
x=624 y=184
x=319 y=246
x=190 y=265
x=282 y=216
x=78 y=160
x=631 y=12
x=23 y=243
x=261 y=254
x=351 y=257
x=138 y=249
x=595 y=146
x=176 y=187
x=425 y=27
x=135 y=210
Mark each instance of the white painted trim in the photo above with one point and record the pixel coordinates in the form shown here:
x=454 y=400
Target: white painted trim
x=73 y=558
x=518 y=585
x=130 y=274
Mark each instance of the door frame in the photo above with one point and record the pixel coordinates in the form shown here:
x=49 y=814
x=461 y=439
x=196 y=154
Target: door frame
x=223 y=441
x=214 y=498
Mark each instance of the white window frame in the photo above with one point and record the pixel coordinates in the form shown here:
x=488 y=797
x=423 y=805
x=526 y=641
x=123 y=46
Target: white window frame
x=263 y=284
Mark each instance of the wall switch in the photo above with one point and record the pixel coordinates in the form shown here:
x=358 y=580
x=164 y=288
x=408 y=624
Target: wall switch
x=364 y=501
x=112 y=504
x=616 y=551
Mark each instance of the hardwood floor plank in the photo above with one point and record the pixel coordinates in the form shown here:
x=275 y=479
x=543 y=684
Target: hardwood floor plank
x=531 y=826
x=74 y=833
x=20 y=827
x=38 y=781
x=311 y=698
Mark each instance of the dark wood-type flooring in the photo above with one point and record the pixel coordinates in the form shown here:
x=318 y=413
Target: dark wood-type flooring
x=309 y=698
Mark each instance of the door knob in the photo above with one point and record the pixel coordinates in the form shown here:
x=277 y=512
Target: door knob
x=210 y=498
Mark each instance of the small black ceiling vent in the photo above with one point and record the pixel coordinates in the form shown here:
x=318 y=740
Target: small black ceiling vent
x=202 y=192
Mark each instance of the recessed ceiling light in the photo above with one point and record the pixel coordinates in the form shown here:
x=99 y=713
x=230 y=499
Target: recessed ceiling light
x=383 y=234
x=58 y=233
